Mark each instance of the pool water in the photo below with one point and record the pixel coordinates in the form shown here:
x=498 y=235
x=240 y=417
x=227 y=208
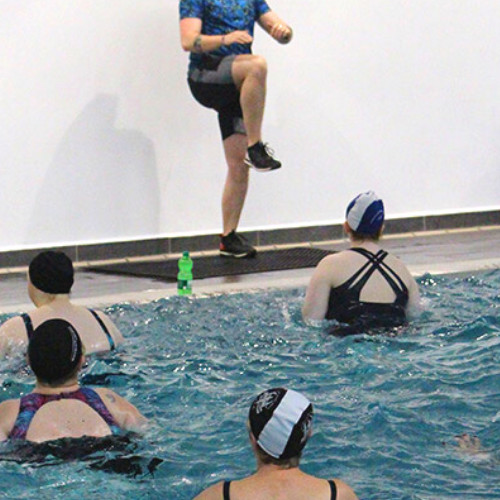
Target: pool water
x=387 y=407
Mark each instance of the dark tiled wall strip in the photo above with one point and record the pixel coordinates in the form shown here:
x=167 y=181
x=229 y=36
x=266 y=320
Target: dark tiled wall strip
x=160 y=246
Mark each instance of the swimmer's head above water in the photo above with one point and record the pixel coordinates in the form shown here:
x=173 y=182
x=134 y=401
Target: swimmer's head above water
x=365 y=216
x=52 y=272
x=280 y=423
x=55 y=352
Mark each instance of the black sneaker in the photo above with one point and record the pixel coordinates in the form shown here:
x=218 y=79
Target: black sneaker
x=235 y=245
x=260 y=157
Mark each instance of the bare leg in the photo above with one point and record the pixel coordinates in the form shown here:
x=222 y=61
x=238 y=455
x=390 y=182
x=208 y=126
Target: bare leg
x=249 y=75
x=235 y=188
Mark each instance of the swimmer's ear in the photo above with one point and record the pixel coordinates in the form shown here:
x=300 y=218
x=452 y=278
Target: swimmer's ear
x=253 y=441
x=82 y=361
x=347 y=228
x=310 y=431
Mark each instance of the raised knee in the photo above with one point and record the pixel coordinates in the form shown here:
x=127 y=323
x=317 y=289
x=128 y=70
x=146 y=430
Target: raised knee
x=259 y=66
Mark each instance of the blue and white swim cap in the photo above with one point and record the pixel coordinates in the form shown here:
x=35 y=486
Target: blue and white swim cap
x=365 y=214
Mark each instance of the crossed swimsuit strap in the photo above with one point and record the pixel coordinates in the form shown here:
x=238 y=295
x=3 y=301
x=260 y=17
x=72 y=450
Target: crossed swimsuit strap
x=29 y=327
x=31 y=403
x=333 y=489
x=375 y=263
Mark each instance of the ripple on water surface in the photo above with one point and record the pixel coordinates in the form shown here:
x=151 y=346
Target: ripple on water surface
x=387 y=408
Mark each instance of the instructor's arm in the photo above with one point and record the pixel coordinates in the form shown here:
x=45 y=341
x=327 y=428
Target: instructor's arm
x=193 y=41
x=276 y=27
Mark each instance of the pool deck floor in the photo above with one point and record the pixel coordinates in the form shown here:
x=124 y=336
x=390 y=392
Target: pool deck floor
x=437 y=252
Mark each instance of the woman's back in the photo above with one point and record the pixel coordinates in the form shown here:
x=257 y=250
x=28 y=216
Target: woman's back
x=66 y=418
x=94 y=331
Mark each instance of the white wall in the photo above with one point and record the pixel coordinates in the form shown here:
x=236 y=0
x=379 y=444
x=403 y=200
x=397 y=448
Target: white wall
x=100 y=139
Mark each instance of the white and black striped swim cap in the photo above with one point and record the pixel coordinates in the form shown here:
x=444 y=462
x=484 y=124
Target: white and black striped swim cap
x=280 y=420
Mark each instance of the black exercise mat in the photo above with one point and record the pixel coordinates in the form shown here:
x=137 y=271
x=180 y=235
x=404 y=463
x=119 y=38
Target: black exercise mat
x=212 y=266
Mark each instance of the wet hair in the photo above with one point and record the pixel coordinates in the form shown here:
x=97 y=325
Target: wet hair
x=356 y=235
x=280 y=421
x=52 y=272
x=54 y=352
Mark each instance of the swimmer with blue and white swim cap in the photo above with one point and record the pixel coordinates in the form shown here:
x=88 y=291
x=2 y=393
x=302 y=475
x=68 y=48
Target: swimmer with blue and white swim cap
x=279 y=426
x=364 y=285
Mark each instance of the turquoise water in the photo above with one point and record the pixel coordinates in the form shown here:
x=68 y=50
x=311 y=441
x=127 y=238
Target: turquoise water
x=387 y=408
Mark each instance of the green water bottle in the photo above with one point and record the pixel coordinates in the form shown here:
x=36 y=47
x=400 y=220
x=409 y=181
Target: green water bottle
x=185 y=275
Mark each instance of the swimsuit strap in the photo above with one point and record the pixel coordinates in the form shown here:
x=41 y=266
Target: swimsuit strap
x=31 y=403
x=365 y=272
x=225 y=490
x=28 y=406
x=350 y=283
x=333 y=488
x=92 y=398
x=227 y=484
x=394 y=280
x=28 y=324
x=377 y=262
x=104 y=329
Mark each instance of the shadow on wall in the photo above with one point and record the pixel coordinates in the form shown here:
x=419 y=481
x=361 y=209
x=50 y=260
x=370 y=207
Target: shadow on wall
x=102 y=182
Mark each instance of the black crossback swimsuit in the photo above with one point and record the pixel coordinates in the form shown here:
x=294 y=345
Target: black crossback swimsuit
x=333 y=488
x=344 y=303
x=29 y=327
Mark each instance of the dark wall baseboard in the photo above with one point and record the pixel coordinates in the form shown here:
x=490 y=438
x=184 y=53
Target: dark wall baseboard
x=161 y=246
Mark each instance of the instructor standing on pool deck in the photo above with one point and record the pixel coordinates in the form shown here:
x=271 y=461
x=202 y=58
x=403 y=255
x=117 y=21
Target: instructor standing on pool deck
x=224 y=75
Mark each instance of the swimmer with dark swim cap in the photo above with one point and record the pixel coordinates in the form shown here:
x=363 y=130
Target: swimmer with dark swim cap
x=59 y=407
x=52 y=272
x=55 y=352
x=50 y=279
x=364 y=285
x=280 y=424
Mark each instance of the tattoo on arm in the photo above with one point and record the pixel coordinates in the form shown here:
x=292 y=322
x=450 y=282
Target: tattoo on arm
x=111 y=397
x=197 y=44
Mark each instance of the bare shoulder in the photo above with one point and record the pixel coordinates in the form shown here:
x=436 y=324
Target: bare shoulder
x=344 y=491
x=12 y=334
x=110 y=397
x=10 y=405
x=8 y=413
x=214 y=492
x=127 y=416
x=332 y=258
x=113 y=329
x=13 y=326
x=401 y=269
x=334 y=266
x=396 y=261
x=327 y=265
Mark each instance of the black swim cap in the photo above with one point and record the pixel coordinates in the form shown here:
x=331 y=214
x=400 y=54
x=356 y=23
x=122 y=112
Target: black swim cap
x=54 y=350
x=280 y=421
x=52 y=272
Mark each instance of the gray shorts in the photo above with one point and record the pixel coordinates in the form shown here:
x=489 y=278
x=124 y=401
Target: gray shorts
x=212 y=86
